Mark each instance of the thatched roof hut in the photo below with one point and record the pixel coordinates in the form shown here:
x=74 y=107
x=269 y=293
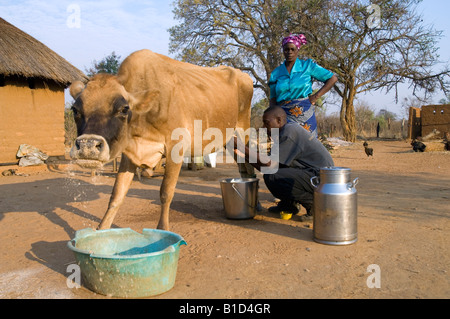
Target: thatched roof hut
x=23 y=55
x=32 y=83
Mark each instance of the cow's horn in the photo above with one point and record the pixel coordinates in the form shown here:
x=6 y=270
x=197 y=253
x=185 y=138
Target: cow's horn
x=76 y=88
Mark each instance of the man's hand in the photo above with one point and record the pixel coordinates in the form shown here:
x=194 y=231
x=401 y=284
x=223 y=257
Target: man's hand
x=239 y=153
x=238 y=146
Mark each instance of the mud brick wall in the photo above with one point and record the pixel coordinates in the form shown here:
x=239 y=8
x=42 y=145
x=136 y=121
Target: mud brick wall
x=435 y=117
x=31 y=112
x=415 y=123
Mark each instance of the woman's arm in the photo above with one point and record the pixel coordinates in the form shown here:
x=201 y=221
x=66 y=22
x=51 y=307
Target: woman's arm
x=327 y=87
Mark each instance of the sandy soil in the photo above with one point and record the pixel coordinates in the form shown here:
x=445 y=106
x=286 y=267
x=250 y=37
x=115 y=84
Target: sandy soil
x=403 y=224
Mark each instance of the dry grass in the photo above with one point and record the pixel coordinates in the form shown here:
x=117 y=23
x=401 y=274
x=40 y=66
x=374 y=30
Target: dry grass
x=23 y=55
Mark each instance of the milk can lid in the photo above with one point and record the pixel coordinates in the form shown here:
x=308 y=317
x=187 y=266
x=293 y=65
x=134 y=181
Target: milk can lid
x=335 y=170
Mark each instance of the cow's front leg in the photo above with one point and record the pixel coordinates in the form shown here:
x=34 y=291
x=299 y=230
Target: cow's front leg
x=123 y=181
x=167 y=191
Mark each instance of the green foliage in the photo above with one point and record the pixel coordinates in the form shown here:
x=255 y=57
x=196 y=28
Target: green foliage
x=261 y=104
x=110 y=64
x=257 y=113
x=445 y=100
x=70 y=127
x=364 y=116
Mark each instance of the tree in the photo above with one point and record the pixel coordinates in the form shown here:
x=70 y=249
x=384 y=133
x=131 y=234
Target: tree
x=445 y=100
x=412 y=101
x=258 y=112
x=110 y=64
x=375 y=45
x=243 y=34
x=364 y=116
x=366 y=57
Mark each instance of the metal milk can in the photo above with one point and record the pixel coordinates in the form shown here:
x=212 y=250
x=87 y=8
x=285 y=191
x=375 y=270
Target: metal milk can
x=335 y=206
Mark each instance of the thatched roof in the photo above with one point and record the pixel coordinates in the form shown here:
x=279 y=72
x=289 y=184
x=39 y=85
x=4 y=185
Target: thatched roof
x=23 y=55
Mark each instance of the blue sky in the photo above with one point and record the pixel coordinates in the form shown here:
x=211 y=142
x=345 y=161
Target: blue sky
x=105 y=26
x=126 y=26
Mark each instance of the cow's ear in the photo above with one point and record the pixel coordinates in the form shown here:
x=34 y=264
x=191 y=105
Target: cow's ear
x=148 y=102
x=76 y=88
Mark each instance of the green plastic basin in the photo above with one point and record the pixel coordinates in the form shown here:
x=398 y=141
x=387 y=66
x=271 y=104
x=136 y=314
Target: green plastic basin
x=124 y=263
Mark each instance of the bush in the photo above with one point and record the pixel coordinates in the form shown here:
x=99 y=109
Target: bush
x=70 y=128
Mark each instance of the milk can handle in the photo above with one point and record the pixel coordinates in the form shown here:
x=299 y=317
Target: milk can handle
x=314 y=178
x=353 y=184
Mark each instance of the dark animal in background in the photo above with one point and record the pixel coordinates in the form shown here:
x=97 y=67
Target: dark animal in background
x=418 y=146
x=368 y=150
x=447 y=141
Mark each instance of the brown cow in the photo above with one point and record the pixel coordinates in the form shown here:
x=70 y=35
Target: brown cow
x=135 y=113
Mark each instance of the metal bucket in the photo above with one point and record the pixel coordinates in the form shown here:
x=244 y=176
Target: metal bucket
x=335 y=207
x=240 y=197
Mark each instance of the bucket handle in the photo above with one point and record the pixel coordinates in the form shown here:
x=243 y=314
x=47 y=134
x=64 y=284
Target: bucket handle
x=314 y=178
x=242 y=197
x=353 y=184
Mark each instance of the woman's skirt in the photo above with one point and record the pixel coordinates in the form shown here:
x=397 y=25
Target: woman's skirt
x=302 y=112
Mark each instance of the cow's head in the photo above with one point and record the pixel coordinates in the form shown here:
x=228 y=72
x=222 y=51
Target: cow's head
x=102 y=114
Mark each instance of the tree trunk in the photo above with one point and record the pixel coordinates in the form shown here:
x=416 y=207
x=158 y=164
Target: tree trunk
x=348 y=121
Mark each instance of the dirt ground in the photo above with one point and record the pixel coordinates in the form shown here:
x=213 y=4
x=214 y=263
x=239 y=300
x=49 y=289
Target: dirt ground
x=403 y=225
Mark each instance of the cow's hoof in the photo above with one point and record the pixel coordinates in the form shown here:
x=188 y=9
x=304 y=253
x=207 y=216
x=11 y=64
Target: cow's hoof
x=163 y=227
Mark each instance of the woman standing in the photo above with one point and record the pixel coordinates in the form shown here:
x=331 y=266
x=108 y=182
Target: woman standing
x=291 y=84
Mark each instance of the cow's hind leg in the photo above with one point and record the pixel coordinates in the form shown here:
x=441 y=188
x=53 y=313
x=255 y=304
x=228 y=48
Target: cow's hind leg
x=121 y=187
x=246 y=170
x=167 y=191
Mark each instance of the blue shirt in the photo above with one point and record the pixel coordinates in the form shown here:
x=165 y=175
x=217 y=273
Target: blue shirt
x=298 y=84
